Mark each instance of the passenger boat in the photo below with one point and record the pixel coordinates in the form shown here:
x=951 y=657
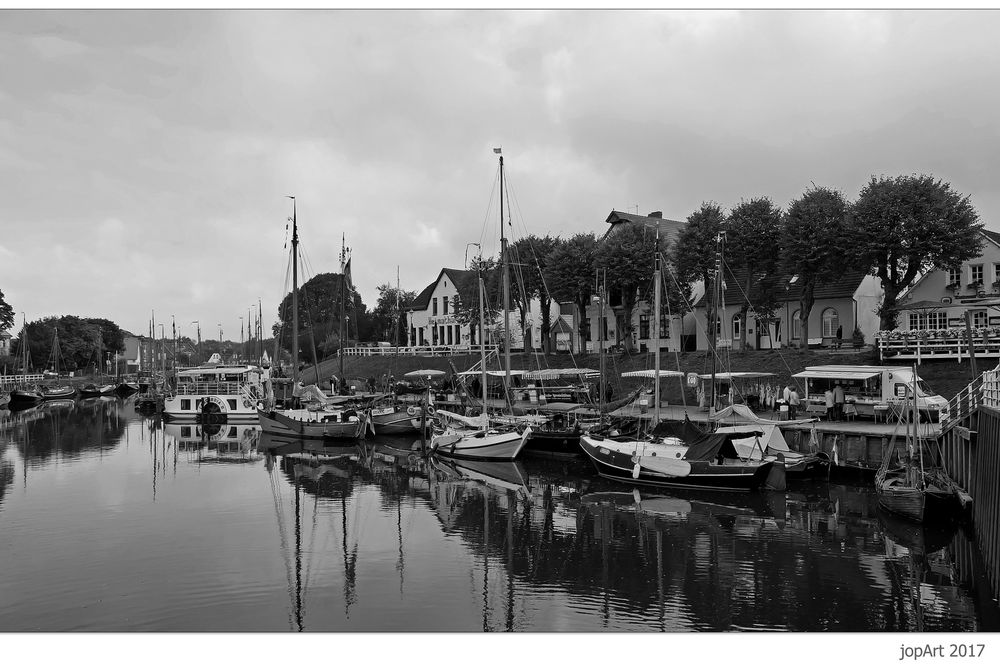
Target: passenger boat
x=57 y=393
x=216 y=392
x=322 y=417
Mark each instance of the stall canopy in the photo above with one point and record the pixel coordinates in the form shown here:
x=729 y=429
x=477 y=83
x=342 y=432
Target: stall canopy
x=651 y=373
x=837 y=375
x=555 y=373
x=739 y=375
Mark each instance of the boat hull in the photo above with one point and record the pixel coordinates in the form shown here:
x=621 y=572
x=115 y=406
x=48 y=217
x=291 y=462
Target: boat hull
x=292 y=423
x=58 y=393
x=208 y=407
x=619 y=466
x=397 y=422
x=489 y=446
x=553 y=444
x=23 y=398
x=90 y=391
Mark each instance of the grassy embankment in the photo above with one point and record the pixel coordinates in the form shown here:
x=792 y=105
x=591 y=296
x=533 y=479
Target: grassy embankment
x=945 y=377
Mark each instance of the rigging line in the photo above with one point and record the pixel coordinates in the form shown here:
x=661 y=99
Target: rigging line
x=489 y=210
x=677 y=356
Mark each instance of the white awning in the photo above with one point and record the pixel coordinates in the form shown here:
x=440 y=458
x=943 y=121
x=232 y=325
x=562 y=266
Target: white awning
x=493 y=373
x=651 y=373
x=837 y=375
x=553 y=373
x=739 y=375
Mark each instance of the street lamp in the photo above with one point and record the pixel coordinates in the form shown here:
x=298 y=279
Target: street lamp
x=198 y=348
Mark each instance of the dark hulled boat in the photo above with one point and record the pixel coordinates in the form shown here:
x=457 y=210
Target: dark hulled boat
x=91 y=390
x=24 y=398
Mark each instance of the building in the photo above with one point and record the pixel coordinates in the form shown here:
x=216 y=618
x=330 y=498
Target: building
x=431 y=317
x=5 y=338
x=944 y=296
x=846 y=302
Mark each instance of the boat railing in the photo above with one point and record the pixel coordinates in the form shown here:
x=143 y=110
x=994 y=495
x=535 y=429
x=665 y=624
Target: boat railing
x=192 y=388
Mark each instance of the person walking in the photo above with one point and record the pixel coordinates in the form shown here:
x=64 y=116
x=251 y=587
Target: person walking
x=838 y=401
x=840 y=335
x=828 y=399
x=793 y=403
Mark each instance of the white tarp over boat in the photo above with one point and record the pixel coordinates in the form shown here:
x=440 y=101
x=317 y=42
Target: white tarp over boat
x=748 y=448
x=472 y=422
x=739 y=413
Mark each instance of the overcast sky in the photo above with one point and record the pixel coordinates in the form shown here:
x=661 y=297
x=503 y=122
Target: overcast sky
x=145 y=155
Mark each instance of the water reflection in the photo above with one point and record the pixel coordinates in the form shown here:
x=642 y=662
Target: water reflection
x=220 y=527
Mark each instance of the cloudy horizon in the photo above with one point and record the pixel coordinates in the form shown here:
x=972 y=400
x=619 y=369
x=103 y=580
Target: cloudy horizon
x=147 y=155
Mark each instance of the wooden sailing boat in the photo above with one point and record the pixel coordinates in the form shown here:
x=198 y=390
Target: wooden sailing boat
x=316 y=420
x=56 y=392
x=475 y=438
x=24 y=396
x=664 y=459
x=911 y=489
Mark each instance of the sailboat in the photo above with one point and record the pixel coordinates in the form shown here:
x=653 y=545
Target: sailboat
x=475 y=437
x=318 y=419
x=663 y=458
x=60 y=392
x=910 y=489
x=97 y=388
x=23 y=396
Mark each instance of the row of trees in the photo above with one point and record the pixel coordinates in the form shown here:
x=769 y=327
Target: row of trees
x=85 y=343
x=897 y=228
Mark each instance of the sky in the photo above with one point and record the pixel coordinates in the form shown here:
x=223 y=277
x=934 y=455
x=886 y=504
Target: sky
x=146 y=156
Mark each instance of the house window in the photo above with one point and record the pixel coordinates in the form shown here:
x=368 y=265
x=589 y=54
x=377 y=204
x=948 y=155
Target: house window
x=996 y=273
x=830 y=323
x=444 y=305
x=914 y=321
x=737 y=325
x=937 y=320
x=664 y=326
x=980 y=318
x=434 y=335
x=434 y=306
x=451 y=335
x=955 y=276
x=796 y=326
x=976 y=273
x=644 y=326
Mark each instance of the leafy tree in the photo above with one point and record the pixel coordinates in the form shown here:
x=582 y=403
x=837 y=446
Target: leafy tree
x=753 y=235
x=627 y=255
x=320 y=316
x=529 y=256
x=906 y=225
x=467 y=303
x=83 y=342
x=815 y=244
x=569 y=274
x=693 y=254
x=388 y=312
x=6 y=314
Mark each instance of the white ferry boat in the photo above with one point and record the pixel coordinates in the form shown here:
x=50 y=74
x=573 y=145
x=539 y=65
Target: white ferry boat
x=216 y=393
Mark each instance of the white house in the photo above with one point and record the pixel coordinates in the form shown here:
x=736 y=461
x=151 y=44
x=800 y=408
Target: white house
x=4 y=343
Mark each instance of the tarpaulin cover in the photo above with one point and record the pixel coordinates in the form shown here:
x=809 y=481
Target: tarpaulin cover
x=713 y=445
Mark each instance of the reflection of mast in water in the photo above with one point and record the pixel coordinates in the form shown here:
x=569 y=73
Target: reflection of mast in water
x=486 y=562
x=511 y=505
x=659 y=577
x=350 y=563
x=399 y=538
x=298 y=557
x=279 y=513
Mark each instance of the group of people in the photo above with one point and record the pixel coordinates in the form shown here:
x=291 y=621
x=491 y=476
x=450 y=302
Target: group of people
x=833 y=399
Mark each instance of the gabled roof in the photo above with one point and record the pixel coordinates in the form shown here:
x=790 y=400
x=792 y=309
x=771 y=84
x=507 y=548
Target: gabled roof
x=669 y=229
x=5 y=334
x=992 y=236
x=842 y=287
x=460 y=278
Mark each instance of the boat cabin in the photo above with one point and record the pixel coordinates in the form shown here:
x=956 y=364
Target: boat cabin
x=217 y=379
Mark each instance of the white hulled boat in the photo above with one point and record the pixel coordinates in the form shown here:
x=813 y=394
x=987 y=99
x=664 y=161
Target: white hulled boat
x=216 y=392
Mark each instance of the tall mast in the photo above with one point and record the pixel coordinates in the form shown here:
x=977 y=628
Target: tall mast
x=482 y=343
x=343 y=302
x=295 y=296
x=600 y=339
x=55 y=349
x=656 y=330
x=506 y=288
x=398 y=310
x=716 y=295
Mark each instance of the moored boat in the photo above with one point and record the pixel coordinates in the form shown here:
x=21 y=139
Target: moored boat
x=23 y=398
x=57 y=393
x=216 y=392
x=91 y=389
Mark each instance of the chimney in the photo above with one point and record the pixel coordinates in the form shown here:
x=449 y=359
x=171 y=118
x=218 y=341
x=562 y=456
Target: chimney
x=655 y=214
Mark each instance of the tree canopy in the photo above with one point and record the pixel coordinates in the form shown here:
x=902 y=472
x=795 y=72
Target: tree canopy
x=320 y=316
x=906 y=225
x=6 y=313
x=388 y=312
x=83 y=342
x=569 y=273
x=753 y=237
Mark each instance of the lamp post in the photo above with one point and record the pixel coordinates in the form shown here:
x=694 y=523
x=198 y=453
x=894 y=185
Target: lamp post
x=198 y=346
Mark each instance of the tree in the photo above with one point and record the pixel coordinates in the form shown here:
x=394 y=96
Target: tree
x=569 y=274
x=81 y=340
x=693 y=254
x=907 y=225
x=320 y=316
x=815 y=244
x=753 y=234
x=627 y=255
x=466 y=306
x=529 y=256
x=388 y=312
x=6 y=314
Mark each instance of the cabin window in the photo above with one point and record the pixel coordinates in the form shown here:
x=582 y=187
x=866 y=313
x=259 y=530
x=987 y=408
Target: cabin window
x=831 y=321
x=444 y=305
x=434 y=306
x=185 y=404
x=796 y=326
x=232 y=403
x=975 y=273
x=737 y=326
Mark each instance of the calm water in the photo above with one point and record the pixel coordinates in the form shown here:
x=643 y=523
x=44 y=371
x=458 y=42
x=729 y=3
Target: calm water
x=112 y=521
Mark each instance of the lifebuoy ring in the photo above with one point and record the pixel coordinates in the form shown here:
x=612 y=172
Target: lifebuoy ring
x=412 y=411
x=431 y=411
x=260 y=405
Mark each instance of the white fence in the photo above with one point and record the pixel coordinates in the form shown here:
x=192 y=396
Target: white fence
x=14 y=380
x=921 y=349
x=415 y=350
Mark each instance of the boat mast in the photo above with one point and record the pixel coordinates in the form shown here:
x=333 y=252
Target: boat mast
x=482 y=343
x=656 y=330
x=506 y=289
x=600 y=339
x=55 y=350
x=343 y=303
x=398 y=310
x=716 y=295
x=295 y=296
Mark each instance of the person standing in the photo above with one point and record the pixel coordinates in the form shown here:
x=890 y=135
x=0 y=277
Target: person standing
x=838 y=401
x=840 y=334
x=793 y=403
x=828 y=399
